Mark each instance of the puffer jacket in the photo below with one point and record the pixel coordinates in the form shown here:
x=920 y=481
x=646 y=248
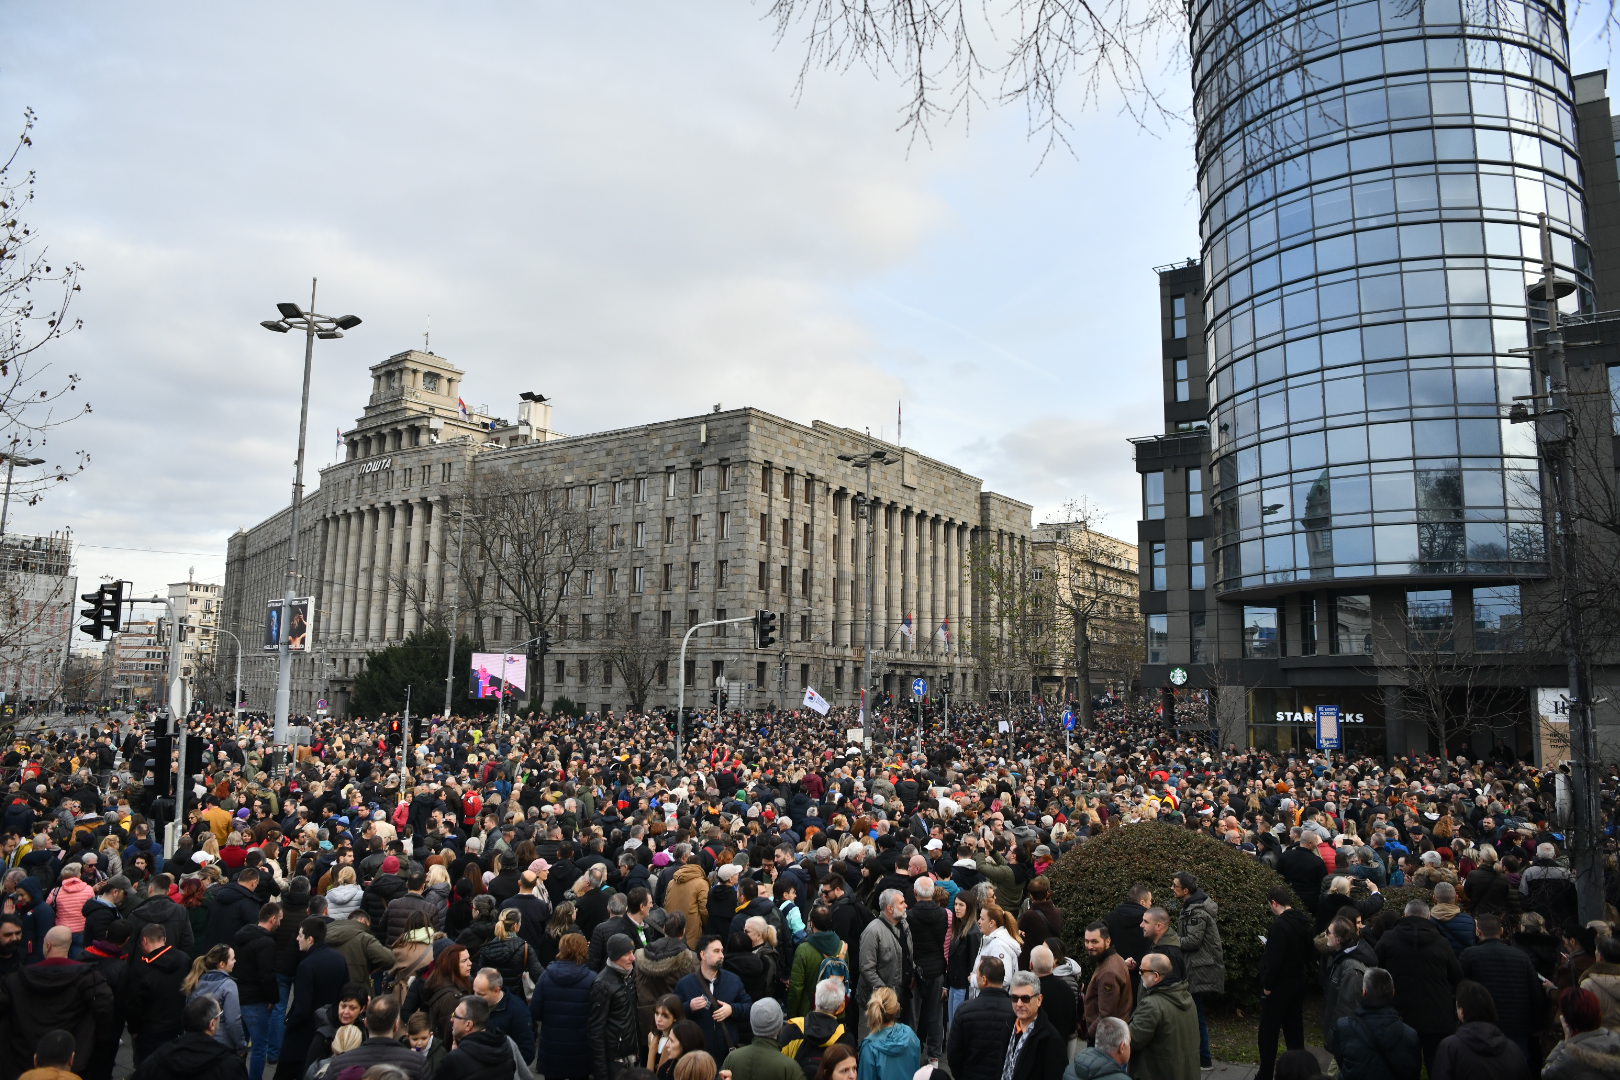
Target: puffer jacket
x=1201 y=945
x=383 y=889
x=892 y=1054
x=1164 y=1034
x=562 y=1005
x=1478 y=1051
x=1591 y=1055
x=220 y=986
x=68 y=900
x=398 y=915
x=344 y=900
x=1375 y=1044
x=658 y=968
x=1093 y=1064
x=688 y=893
x=513 y=958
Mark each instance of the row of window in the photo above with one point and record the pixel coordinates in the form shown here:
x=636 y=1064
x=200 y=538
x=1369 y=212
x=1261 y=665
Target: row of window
x=1433 y=547
x=1428 y=623
x=1153 y=500
x=1158 y=572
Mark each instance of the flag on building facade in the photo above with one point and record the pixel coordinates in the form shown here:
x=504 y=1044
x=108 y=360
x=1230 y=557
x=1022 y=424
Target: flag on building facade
x=906 y=628
x=462 y=405
x=944 y=634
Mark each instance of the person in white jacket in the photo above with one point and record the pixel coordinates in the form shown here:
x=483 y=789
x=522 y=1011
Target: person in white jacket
x=1001 y=940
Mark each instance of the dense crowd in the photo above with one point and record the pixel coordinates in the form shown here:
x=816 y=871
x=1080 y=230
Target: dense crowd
x=564 y=898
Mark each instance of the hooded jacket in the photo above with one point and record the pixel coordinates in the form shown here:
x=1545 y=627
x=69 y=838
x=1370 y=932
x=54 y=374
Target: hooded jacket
x=53 y=994
x=658 y=968
x=1591 y=1055
x=1341 y=986
x=166 y=913
x=151 y=997
x=1201 y=945
x=688 y=893
x=1426 y=973
x=256 y=965
x=1376 y=1044
x=361 y=951
x=344 y=900
x=562 y=1004
x=194 y=1056
x=1479 y=1051
x=894 y=1053
x=230 y=908
x=1093 y=1064
x=1164 y=1034
x=67 y=901
x=482 y=1054
x=37 y=919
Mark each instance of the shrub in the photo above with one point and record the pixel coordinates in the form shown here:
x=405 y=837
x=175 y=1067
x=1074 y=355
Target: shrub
x=1091 y=880
x=567 y=706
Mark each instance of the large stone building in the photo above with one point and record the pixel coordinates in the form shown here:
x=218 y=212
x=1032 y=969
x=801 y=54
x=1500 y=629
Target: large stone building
x=1338 y=512
x=1094 y=594
x=689 y=520
x=37 y=589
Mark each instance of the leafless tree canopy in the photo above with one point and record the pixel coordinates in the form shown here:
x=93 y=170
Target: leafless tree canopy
x=635 y=646
x=1051 y=56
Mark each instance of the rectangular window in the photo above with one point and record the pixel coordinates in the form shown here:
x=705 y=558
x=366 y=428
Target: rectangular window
x=669 y=530
x=641 y=489
x=787 y=533
x=557 y=672
x=669 y=576
x=584 y=672
x=669 y=483
x=835 y=547
x=695 y=535
x=1497 y=619
x=1158 y=639
x=1195 y=564
x=1351 y=624
x=725 y=477
x=838 y=677
x=804 y=582
x=638 y=533
x=593 y=496
x=446 y=471
x=1307 y=624
x=613 y=581
x=638 y=579
x=809 y=491
x=695 y=575
x=618 y=492
x=1152 y=495
x=720 y=569
x=1183 y=385
x=764 y=527
x=787 y=585
x=661 y=672
x=1430 y=622
x=1159 y=579
x=590 y=583
x=759 y=673
x=665 y=622
x=722 y=630
x=1201 y=652
x=584 y=628
x=1178 y=316
x=804 y=627
x=764 y=581
x=1261 y=634
x=697 y=480
x=615 y=537
x=1195 y=492
x=806 y=541
x=765 y=479
x=691 y=619
x=725 y=524
x=804 y=676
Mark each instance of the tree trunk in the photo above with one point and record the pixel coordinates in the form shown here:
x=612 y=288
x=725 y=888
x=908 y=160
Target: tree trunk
x=1082 y=663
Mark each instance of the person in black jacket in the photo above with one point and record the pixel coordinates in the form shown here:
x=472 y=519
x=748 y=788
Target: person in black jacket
x=977 y=1046
x=55 y=994
x=1125 y=923
x=480 y=1053
x=1425 y=969
x=1034 y=1048
x=1283 y=966
x=1375 y=1044
x=382 y=1045
x=1509 y=975
x=929 y=926
x=152 y=996
x=103 y=909
x=508 y=1012
x=321 y=976
x=615 y=1039
x=255 y=974
x=1478 y=1050
x=196 y=1054
x=1303 y=869
x=231 y=907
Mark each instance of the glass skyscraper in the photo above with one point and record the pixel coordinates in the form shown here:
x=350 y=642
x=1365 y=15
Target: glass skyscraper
x=1370 y=177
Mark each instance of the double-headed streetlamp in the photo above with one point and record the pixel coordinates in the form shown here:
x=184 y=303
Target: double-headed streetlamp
x=314 y=326
x=13 y=459
x=863 y=499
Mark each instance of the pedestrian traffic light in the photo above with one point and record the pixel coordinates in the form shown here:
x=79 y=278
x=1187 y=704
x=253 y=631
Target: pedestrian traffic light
x=394 y=732
x=764 y=629
x=156 y=751
x=106 y=610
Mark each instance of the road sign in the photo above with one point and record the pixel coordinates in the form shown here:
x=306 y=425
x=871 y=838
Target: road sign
x=919 y=688
x=1327 y=727
x=321 y=704
x=1068 y=719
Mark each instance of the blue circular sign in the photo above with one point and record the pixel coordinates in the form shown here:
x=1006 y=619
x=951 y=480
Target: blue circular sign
x=1068 y=719
x=919 y=687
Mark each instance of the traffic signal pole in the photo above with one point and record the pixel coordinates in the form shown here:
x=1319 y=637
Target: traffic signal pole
x=680 y=698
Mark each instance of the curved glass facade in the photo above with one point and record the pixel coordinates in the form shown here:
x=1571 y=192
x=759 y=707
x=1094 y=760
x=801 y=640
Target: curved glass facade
x=1370 y=176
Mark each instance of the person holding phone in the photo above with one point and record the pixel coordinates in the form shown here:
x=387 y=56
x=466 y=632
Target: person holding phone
x=715 y=998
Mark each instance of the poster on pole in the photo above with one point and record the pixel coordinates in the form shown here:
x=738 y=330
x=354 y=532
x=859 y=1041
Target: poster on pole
x=497 y=675
x=1327 y=727
x=297 y=631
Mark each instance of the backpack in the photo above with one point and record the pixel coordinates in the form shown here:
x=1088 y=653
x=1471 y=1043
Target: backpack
x=836 y=967
x=809 y=1054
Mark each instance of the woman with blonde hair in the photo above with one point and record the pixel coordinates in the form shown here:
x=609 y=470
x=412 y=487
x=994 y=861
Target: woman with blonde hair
x=1001 y=940
x=697 y=1065
x=509 y=953
x=891 y=1050
x=211 y=974
x=343 y=899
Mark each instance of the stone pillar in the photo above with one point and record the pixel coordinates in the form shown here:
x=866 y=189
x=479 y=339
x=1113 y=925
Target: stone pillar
x=377 y=602
x=338 y=587
x=437 y=564
x=880 y=608
x=906 y=548
x=895 y=534
x=360 y=544
x=936 y=564
x=323 y=611
x=857 y=577
x=414 y=597
x=953 y=592
x=394 y=583
x=927 y=625
x=969 y=615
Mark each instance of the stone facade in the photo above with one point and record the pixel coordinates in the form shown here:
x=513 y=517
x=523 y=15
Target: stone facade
x=701 y=518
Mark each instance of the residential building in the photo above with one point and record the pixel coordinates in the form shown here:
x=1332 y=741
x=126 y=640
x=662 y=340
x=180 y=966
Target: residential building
x=683 y=521
x=1094 y=591
x=139 y=661
x=36 y=615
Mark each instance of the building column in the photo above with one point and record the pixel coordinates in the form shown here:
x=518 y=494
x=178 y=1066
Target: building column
x=907 y=574
x=395 y=581
x=895 y=536
x=354 y=604
x=839 y=560
x=936 y=570
x=857 y=577
x=952 y=563
x=321 y=594
x=377 y=604
x=414 y=599
x=880 y=608
x=337 y=586
x=927 y=625
x=437 y=564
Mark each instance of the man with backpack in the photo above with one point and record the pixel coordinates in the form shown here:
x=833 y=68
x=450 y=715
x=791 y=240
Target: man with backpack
x=807 y=1039
x=821 y=956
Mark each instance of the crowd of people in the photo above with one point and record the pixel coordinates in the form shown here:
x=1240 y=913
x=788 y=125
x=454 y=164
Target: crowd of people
x=557 y=897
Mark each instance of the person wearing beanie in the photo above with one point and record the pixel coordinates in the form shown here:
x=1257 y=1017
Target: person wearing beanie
x=763 y=1059
x=615 y=1038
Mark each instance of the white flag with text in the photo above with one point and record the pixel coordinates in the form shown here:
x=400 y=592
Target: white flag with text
x=813 y=700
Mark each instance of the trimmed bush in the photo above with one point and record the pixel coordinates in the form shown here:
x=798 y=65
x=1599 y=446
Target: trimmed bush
x=1091 y=880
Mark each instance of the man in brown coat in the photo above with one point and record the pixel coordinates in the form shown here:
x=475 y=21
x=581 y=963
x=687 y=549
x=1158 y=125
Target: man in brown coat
x=1109 y=991
x=688 y=893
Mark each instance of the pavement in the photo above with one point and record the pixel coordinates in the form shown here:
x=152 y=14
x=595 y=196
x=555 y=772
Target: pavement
x=1231 y=1070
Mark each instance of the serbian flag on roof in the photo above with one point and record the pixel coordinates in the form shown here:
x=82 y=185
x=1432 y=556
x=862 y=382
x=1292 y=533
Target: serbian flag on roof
x=462 y=405
x=905 y=626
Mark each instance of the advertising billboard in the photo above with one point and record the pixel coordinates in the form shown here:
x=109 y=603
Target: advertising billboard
x=298 y=632
x=499 y=675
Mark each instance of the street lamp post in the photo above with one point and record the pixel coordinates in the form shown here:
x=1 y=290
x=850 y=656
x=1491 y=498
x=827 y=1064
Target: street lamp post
x=314 y=326
x=863 y=499
x=13 y=459
x=236 y=702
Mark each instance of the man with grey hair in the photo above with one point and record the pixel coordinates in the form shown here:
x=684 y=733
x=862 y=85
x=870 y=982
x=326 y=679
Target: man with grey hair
x=1424 y=967
x=1108 y=1058
x=1164 y=1025
x=1455 y=923
x=930 y=927
x=887 y=957
x=807 y=1039
x=1548 y=888
x=1035 y=1050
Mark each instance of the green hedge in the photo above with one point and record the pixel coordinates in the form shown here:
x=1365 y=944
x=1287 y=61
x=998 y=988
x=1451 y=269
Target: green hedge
x=1091 y=880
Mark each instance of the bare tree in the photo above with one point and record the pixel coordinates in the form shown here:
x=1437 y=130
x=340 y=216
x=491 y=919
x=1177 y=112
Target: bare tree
x=1014 y=641
x=635 y=647
x=1091 y=584
x=527 y=546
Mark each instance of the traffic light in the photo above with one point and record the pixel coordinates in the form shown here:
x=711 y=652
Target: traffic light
x=764 y=629
x=394 y=732
x=106 y=610
x=156 y=754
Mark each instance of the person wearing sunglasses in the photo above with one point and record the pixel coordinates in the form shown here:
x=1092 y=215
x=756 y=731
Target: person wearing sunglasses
x=1035 y=1051
x=1164 y=1027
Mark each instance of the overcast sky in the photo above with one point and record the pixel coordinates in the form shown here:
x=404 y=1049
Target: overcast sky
x=624 y=207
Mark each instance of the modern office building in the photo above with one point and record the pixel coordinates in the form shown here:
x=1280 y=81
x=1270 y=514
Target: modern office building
x=1368 y=521
x=689 y=520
